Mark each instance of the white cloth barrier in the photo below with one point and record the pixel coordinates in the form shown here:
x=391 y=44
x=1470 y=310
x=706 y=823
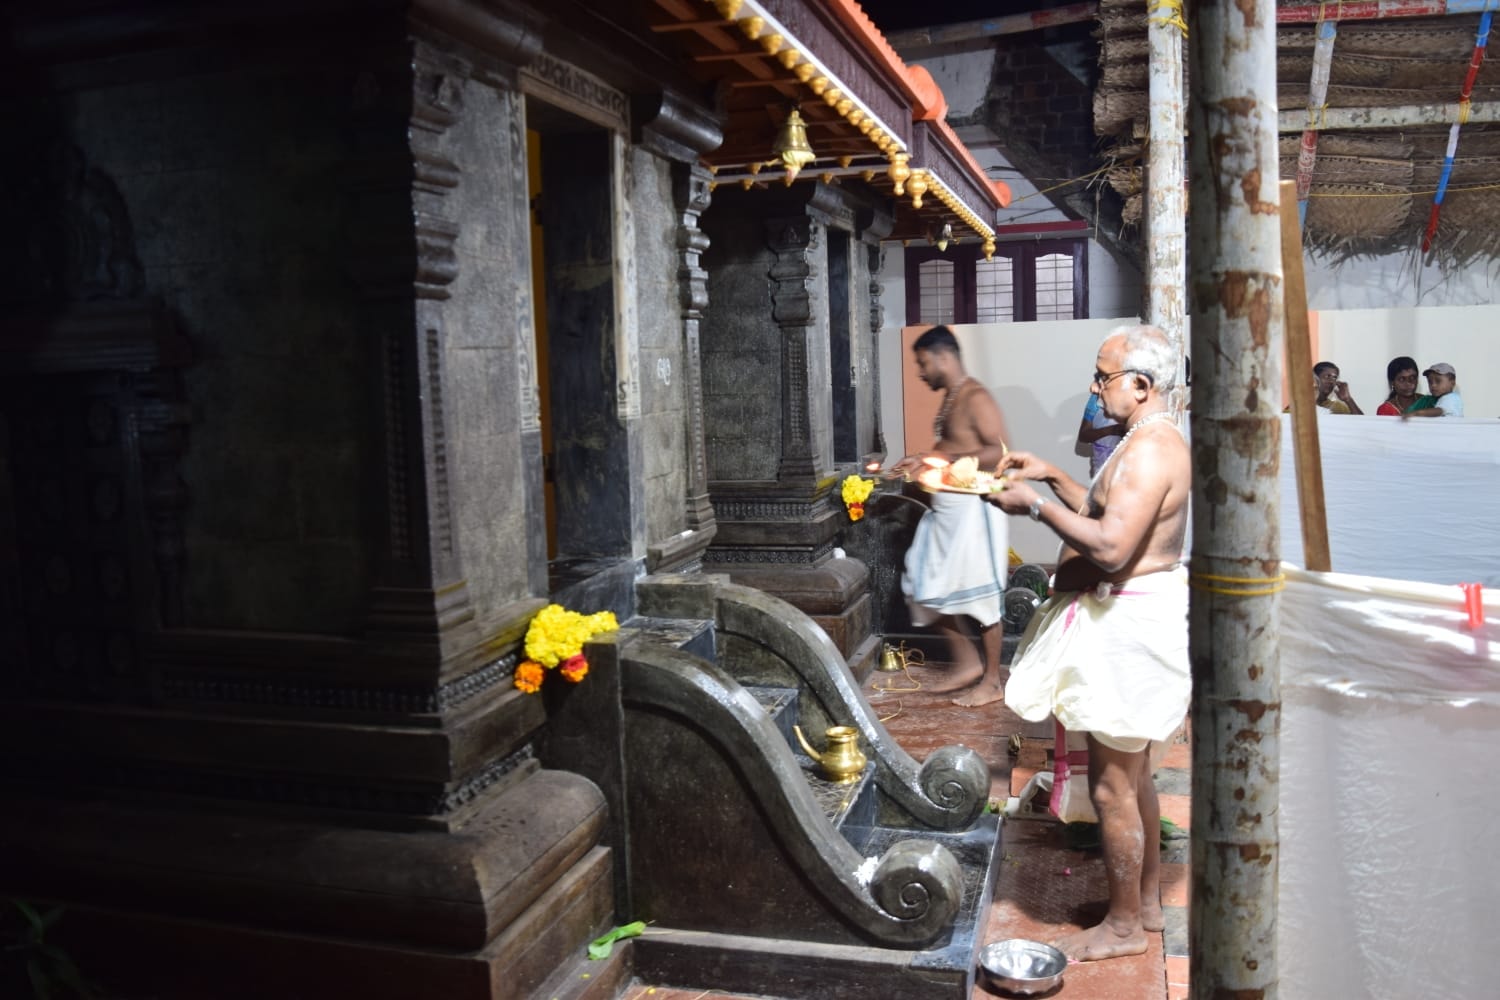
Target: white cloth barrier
x=1407 y=499
x=1390 y=740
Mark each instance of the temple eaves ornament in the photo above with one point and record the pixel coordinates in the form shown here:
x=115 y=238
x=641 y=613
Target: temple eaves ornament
x=757 y=24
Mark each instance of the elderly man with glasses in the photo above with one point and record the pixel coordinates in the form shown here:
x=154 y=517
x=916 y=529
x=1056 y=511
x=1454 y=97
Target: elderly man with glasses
x=1107 y=653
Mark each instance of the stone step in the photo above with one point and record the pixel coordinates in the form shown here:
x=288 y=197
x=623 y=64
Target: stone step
x=453 y=890
x=554 y=931
x=848 y=802
x=780 y=704
x=589 y=979
x=978 y=851
x=691 y=635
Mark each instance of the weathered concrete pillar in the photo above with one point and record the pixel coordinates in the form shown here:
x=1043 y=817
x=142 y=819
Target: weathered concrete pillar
x=1236 y=331
x=1166 y=199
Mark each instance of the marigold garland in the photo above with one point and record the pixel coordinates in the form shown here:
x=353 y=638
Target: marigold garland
x=856 y=490
x=575 y=668
x=529 y=676
x=556 y=636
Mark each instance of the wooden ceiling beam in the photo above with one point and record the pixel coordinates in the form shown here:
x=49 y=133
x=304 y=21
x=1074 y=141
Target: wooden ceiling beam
x=666 y=26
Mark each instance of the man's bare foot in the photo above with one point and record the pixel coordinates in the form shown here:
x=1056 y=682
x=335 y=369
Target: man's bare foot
x=1152 y=918
x=1103 y=941
x=980 y=694
x=956 y=678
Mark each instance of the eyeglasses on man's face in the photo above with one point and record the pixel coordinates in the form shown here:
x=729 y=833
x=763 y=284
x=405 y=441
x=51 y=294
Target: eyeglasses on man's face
x=1103 y=379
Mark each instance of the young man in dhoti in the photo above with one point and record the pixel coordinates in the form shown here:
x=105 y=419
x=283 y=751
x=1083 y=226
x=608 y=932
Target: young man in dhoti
x=958 y=558
x=1107 y=654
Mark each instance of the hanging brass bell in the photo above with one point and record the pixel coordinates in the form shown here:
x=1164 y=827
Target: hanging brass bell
x=791 y=145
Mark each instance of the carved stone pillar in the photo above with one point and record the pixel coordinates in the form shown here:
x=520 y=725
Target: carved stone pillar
x=690 y=188
x=793 y=240
x=875 y=225
x=876 y=260
x=420 y=596
x=780 y=534
x=673 y=127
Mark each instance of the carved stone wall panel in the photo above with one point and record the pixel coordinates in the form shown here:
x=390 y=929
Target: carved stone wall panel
x=627 y=314
x=92 y=550
x=70 y=236
x=664 y=378
x=490 y=348
x=740 y=343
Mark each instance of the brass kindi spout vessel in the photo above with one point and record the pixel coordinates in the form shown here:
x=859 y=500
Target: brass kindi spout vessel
x=842 y=760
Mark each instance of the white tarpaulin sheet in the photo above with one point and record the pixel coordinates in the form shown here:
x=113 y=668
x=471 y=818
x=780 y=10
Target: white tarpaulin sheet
x=1390 y=745
x=1414 y=499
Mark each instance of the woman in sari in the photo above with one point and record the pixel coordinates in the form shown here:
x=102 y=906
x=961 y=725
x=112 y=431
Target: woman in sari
x=1401 y=373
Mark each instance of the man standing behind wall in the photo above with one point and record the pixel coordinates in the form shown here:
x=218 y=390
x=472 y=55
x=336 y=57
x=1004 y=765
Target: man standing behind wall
x=958 y=558
x=1107 y=654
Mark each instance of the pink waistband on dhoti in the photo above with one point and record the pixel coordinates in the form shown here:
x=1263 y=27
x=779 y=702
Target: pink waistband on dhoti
x=1111 y=661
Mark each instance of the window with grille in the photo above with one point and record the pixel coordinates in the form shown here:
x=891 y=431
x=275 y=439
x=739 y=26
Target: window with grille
x=936 y=283
x=1041 y=279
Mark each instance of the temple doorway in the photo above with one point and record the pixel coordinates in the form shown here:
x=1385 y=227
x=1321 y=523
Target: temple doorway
x=571 y=168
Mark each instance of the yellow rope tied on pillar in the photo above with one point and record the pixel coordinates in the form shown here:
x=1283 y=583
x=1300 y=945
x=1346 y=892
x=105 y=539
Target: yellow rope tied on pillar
x=1240 y=586
x=1173 y=9
x=1317 y=118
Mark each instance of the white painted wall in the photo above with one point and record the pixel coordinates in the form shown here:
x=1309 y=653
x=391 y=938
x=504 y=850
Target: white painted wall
x=1362 y=341
x=1039 y=373
x=1394 y=281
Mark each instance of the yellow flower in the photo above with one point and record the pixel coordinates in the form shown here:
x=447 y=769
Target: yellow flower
x=856 y=490
x=556 y=634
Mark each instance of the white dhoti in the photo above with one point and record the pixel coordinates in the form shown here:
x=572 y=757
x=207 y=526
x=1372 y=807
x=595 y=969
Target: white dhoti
x=1112 y=661
x=957 y=561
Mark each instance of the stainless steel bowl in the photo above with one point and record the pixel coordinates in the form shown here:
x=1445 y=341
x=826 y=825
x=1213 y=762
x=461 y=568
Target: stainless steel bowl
x=1021 y=966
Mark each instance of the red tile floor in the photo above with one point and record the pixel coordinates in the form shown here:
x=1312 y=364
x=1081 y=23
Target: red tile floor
x=1044 y=889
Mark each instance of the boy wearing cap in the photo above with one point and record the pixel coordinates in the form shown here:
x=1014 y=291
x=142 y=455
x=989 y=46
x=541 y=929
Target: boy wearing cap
x=1442 y=382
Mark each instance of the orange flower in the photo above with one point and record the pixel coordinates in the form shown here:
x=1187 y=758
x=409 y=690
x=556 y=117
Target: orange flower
x=856 y=511
x=575 y=668
x=529 y=676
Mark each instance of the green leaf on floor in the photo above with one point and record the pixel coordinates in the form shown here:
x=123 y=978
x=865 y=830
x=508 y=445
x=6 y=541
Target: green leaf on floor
x=1171 y=831
x=601 y=946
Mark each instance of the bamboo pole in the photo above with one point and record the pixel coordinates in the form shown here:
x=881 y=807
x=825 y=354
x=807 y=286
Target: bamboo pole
x=1317 y=97
x=1379 y=10
x=1329 y=119
x=1237 y=318
x=1307 y=452
x=1166 y=200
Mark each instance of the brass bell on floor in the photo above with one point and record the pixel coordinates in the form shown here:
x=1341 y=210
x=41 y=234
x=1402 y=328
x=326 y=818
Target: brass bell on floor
x=891 y=660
